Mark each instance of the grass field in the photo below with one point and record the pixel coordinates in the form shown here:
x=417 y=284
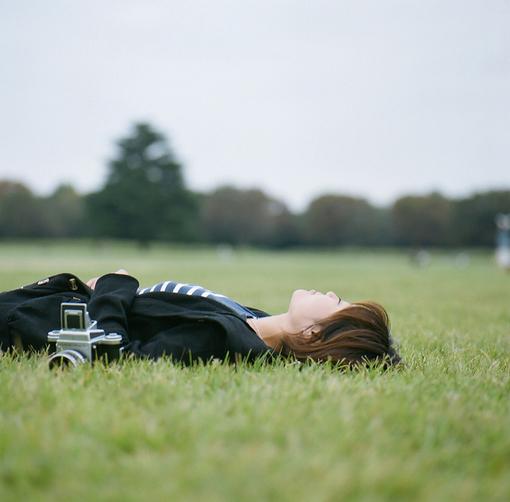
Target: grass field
x=439 y=429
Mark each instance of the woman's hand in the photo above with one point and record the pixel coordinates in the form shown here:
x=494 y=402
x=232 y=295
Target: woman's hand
x=91 y=283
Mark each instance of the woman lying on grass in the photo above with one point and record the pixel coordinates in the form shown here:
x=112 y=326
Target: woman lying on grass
x=188 y=322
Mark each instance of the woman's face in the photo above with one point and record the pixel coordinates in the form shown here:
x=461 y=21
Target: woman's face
x=309 y=307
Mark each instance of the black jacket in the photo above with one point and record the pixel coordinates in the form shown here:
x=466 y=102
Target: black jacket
x=184 y=327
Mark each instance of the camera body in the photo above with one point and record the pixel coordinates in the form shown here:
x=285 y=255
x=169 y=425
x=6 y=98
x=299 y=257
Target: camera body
x=80 y=340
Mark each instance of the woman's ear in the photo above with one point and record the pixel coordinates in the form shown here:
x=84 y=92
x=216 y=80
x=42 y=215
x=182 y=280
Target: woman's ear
x=312 y=330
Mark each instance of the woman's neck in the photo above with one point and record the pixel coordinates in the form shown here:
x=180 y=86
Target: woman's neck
x=271 y=329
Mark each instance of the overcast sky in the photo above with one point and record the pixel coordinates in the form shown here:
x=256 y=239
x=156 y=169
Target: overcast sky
x=372 y=98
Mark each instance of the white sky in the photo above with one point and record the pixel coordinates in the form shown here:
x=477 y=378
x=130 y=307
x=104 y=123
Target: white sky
x=373 y=98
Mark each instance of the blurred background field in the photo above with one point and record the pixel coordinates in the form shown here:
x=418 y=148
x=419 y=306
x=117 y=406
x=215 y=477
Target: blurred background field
x=437 y=429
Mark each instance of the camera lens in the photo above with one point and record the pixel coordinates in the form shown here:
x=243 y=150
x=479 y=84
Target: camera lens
x=66 y=359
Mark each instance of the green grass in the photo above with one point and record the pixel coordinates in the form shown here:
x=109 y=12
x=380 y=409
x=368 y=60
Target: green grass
x=439 y=429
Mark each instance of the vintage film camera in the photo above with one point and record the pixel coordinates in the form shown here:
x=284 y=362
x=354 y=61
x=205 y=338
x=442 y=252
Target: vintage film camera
x=79 y=340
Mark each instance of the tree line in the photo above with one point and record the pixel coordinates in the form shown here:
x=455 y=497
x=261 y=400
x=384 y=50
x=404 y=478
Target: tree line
x=145 y=199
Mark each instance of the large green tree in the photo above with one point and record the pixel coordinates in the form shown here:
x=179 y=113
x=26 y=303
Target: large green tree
x=144 y=197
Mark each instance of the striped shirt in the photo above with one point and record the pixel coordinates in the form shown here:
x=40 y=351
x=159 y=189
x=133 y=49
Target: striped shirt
x=194 y=290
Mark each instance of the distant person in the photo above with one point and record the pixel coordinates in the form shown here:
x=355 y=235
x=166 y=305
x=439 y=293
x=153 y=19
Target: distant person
x=503 y=241
x=188 y=322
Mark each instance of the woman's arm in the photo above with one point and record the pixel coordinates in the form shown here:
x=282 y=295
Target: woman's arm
x=91 y=283
x=111 y=300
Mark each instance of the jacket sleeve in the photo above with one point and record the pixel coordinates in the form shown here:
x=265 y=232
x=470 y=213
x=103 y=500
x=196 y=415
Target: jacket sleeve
x=110 y=303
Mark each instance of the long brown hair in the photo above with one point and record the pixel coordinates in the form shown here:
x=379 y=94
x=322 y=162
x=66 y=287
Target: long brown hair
x=357 y=334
